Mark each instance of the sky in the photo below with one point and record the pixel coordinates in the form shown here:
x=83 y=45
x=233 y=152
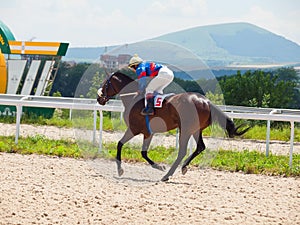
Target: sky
x=91 y=23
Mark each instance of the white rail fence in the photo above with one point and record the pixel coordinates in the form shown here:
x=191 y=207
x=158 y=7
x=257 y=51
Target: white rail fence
x=235 y=112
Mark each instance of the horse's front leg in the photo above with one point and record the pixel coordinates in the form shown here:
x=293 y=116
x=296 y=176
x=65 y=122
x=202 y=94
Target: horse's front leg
x=145 y=147
x=126 y=137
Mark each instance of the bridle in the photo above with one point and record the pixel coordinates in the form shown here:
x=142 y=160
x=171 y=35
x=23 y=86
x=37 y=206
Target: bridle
x=104 y=97
x=107 y=85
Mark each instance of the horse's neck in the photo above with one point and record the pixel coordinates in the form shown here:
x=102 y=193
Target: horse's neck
x=127 y=98
x=128 y=92
x=130 y=100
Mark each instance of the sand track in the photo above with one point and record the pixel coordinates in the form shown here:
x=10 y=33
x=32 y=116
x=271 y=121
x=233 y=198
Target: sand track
x=49 y=190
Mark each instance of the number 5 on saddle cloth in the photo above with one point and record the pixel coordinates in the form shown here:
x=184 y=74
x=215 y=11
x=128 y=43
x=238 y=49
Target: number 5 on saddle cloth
x=158 y=99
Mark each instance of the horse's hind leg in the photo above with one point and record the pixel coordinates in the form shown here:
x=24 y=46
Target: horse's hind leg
x=199 y=149
x=183 y=141
x=126 y=137
x=146 y=144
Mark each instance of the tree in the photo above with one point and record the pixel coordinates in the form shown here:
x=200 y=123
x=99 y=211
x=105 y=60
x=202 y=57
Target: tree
x=68 y=77
x=276 y=89
x=96 y=82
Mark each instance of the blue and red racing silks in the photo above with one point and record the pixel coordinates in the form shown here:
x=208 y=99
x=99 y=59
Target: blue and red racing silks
x=147 y=69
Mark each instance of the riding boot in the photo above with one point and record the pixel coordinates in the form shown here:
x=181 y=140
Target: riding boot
x=149 y=109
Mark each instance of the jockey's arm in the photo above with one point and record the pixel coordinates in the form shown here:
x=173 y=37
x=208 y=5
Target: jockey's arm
x=141 y=74
x=142 y=84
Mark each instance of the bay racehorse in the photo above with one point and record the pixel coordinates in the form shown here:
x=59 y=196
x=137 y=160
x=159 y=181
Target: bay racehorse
x=190 y=112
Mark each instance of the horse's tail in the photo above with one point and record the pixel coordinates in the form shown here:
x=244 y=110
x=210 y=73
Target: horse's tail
x=225 y=122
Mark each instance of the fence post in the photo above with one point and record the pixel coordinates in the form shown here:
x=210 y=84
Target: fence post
x=18 y=122
x=274 y=111
x=100 y=131
x=94 y=126
x=268 y=138
x=292 y=143
x=70 y=114
x=19 y=108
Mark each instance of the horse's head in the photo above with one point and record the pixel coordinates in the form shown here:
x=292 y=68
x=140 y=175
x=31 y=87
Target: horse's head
x=107 y=90
x=113 y=85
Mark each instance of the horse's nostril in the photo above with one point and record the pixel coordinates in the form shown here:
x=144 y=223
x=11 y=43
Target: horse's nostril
x=102 y=100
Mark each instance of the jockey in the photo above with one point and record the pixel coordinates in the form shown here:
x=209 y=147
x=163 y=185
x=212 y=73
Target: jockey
x=160 y=76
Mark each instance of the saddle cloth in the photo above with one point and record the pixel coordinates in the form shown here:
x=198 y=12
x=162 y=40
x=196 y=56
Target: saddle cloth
x=159 y=99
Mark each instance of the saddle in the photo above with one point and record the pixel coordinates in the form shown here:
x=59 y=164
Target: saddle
x=159 y=99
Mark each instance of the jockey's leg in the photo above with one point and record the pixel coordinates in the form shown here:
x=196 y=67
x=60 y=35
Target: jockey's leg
x=149 y=109
x=156 y=85
x=162 y=80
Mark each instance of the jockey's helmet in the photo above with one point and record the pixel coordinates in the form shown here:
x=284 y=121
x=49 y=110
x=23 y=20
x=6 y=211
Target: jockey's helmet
x=135 y=60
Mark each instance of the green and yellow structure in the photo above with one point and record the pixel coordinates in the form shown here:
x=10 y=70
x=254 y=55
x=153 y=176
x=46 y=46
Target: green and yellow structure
x=9 y=45
x=3 y=74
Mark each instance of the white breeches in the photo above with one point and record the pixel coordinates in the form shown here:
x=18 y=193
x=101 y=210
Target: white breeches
x=163 y=79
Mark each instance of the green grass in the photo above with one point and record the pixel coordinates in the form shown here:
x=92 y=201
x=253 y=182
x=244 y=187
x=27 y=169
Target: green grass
x=250 y=162
x=39 y=144
x=280 y=134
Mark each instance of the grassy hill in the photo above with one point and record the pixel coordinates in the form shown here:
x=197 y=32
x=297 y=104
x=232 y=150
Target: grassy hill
x=220 y=45
x=236 y=43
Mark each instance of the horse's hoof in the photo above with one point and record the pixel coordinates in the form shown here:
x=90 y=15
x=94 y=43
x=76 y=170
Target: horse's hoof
x=159 y=167
x=120 y=172
x=184 y=170
x=164 y=179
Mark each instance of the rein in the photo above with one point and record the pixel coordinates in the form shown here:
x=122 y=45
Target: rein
x=128 y=94
x=107 y=85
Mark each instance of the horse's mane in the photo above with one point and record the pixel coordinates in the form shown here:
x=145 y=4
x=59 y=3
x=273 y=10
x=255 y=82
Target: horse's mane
x=126 y=76
x=126 y=73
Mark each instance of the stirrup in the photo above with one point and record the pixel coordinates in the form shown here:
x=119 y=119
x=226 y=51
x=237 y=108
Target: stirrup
x=147 y=111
